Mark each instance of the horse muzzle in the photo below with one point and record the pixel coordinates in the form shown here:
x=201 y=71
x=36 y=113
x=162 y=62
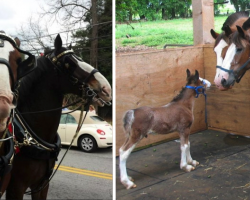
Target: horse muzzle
x=5 y=107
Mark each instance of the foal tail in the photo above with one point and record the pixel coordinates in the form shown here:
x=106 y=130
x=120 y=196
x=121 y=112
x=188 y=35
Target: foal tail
x=128 y=120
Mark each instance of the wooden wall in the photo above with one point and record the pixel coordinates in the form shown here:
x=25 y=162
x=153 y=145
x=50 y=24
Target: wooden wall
x=228 y=111
x=153 y=79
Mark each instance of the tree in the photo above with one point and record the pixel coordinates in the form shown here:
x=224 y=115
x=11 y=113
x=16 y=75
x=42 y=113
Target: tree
x=240 y=5
x=32 y=36
x=83 y=40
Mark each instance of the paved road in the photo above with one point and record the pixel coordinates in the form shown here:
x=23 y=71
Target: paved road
x=83 y=176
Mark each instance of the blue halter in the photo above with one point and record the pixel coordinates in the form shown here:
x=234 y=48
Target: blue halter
x=196 y=90
x=197 y=95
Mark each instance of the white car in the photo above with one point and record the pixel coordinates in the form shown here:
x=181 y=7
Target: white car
x=95 y=132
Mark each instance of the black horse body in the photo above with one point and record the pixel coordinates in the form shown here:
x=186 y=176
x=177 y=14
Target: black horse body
x=41 y=90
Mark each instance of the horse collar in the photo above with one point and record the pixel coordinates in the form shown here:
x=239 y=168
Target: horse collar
x=196 y=89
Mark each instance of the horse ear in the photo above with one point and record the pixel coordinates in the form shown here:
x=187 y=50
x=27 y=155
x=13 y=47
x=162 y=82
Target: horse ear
x=228 y=31
x=246 y=24
x=17 y=41
x=196 y=75
x=241 y=32
x=70 y=46
x=58 y=42
x=188 y=73
x=214 y=34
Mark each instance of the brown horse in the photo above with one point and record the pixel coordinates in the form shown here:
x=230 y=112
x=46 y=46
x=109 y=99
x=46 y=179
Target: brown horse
x=58 y=73
x=175 y=116
x=237 y=58
x=9 y=59
x=222 y=42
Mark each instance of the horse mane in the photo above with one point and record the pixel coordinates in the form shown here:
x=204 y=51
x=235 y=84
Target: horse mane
x=181 y=93
x=233 y=18
x=179 y=96
x=237 y=39
x=33 y=78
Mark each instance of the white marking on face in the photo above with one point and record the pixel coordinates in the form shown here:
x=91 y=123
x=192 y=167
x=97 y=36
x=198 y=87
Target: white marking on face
x=226 y=65
x=5 y=88
x=103 y=82
x=229 y=56
x=5 y=51
x=218 y=50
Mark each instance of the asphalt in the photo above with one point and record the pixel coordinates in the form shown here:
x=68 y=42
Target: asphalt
x=223 y=173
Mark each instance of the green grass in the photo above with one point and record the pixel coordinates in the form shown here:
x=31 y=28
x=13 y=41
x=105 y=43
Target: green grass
x=159 y=33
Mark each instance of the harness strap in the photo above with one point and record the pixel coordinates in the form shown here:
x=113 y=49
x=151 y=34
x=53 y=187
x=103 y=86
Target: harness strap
x=235 y=73
x=224 y=69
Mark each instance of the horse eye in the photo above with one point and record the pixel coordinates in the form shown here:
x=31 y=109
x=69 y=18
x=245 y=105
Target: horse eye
x=238 y=50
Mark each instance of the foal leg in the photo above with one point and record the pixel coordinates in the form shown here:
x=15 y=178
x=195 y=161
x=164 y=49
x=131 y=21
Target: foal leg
x=189 y=158
x=125 y=151
x=185 y=151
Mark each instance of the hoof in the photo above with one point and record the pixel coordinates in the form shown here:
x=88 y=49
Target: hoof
x=188 y=168
x=194 y=163
x=131 y=187
x=131 y=179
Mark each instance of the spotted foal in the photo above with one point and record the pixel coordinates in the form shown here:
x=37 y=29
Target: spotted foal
x=175 y=116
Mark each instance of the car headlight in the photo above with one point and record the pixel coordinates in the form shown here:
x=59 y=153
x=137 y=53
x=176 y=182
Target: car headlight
x=101 y=132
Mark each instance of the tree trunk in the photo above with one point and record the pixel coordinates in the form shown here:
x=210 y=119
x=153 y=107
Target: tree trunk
x=94 y=36
x=164 y=14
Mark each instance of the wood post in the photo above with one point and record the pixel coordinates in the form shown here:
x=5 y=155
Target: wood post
x=203 y=21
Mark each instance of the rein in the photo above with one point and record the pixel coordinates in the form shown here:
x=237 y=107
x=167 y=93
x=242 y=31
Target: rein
x=196 y=89
x=80 y=123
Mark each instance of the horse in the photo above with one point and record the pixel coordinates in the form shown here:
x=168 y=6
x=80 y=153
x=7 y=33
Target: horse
x=222 y=42
x=37 y=118
x=175 y=116
x=10 y=57
x=236 y=61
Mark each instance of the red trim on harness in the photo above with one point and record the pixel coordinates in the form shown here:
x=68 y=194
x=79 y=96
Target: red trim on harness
x=10 y=128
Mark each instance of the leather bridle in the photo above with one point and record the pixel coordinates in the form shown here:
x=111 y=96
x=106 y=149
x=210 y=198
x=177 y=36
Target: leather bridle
x=59 y=62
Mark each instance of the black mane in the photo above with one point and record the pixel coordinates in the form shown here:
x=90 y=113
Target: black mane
x=191 y=80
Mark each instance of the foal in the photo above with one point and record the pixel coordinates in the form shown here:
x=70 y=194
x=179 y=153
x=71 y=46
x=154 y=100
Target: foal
x=175 y=116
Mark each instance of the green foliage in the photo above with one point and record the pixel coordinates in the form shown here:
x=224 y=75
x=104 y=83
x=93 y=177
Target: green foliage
x=152 y=9
x=159 y=33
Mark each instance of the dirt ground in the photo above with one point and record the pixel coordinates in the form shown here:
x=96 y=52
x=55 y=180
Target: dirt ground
x=223 y=173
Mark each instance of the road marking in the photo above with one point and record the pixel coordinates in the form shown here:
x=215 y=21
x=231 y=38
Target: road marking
x=85 y=172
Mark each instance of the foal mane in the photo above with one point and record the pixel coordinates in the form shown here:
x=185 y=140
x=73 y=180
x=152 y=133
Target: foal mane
x=191 y=80
x=233 y=18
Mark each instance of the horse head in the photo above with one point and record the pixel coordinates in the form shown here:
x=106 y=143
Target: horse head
x=9 y=60
x=236 y=61
x=80 y=73
x=222 y=41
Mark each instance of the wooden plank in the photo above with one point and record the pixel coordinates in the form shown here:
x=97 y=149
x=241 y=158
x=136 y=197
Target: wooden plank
x=153 y=79
x=203 y=21
x=227 y=110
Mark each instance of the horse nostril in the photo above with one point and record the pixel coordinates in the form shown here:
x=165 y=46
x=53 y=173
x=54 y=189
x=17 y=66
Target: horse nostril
x=105 y=91
x=223 y=81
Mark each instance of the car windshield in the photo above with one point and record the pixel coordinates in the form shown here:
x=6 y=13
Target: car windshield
x=97 y=118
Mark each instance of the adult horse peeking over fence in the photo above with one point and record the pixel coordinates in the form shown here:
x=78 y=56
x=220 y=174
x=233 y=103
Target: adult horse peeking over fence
x=222 y=42
x=38 y=114
x=237 y=56
x=175 y=116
